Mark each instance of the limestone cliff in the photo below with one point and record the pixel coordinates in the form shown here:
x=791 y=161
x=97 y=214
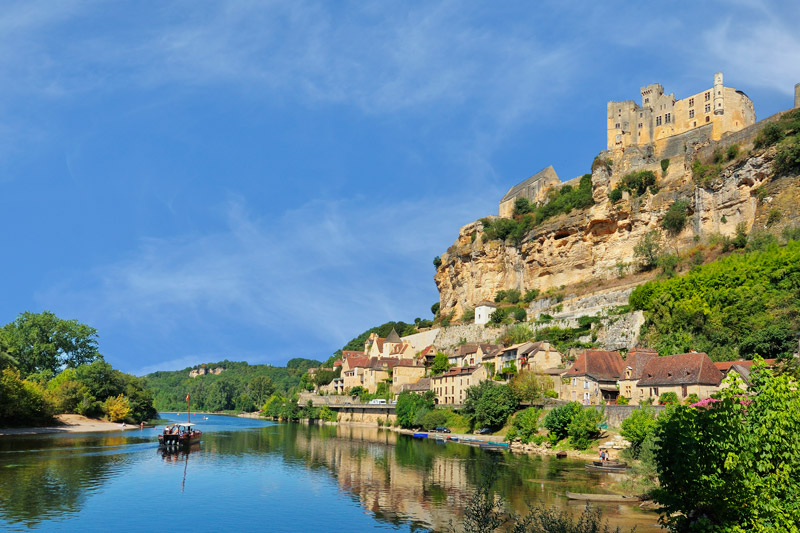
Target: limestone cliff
x=581 y=249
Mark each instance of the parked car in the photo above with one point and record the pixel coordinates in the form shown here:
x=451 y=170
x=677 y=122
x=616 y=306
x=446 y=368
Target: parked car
x=441 y=429
x=484 y=431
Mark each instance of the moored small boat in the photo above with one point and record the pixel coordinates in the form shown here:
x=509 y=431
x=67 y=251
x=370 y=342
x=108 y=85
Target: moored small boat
x=602 y=497
x=420 y=435
x=596 y=468
x=613 y=464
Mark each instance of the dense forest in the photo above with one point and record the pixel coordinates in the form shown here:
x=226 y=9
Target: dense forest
x=745 y=304
x=241 y=386
x=50 y=366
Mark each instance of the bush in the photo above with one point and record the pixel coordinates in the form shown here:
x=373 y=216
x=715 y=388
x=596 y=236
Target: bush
x=615 y=195
x=787 y=158
x=675 y=218
x=668 y=398
x=668 y=263
x=791 y=233
x=622 y=400
x=520 y=314
x=489 y=405
x=525 y=425
x=732 y=151
x=558 y=420
x=468 y=315
x=434 y=418
x=117 y=408
x=637 y=427
x=769 y=135
x=692 y=398
x=637 y=182
x=409 y=404
x=648 y=248
x=774 y=217
x=530 y=296
x=512 y=296
x=435 y=308
x=583 y=428
x=664 y=165
x=437 y=261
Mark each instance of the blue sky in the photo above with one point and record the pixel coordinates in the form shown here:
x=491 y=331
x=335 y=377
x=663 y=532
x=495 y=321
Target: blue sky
x=265 y=180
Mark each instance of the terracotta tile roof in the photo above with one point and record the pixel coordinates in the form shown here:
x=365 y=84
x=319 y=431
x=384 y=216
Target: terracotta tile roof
x=427 y=351
x=358 y=362
x=407 y=362
x=724 y=366
x=336 y=363
x=682 y=369
x=383 y=363
x=637 y=359
x=458 y=371
x=472 y=347
x=351 y=353
x=598 y=364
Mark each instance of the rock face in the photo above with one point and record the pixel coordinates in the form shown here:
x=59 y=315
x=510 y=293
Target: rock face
x=584 y=247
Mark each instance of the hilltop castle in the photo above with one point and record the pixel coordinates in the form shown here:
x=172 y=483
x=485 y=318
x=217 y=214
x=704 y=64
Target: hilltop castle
x=661 y=125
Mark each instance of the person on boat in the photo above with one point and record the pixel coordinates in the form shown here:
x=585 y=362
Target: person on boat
x=602 y=455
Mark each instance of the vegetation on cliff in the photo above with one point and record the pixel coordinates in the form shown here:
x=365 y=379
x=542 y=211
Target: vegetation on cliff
x=527 y=215
x=241 y=386
x=745 y=304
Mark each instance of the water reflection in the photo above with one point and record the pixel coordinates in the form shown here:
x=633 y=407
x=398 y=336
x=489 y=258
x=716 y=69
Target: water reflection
x=71 y=481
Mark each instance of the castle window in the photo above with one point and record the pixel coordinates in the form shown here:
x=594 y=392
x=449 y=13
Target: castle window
x=658 y=120
x=640 y=124
x=646 y=100
x=691 y=102
x=694 y=123
x=691 y=113
x=667 y=118
x=640 y=115
x=708 y=96
x=708 y=108
x=616 y=125
x=708 y=119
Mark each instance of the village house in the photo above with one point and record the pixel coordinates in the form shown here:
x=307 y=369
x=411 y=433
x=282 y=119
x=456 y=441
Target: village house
x=391 y=346
x=420 y=387
x=406 y=372
x=483 y=312
x=451 y=387
x=684 y=374
x=635 y=362
x=741 y=369
x=592 y=379
x=538 y=356
x=471 y=354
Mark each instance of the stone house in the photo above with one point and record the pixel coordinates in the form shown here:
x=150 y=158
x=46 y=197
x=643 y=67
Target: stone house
x=538 y=356
x=420 y=387
x=450 y=388
x=684 y=374
x=406 y=372
x=471 y=353
x=741 y=369
x=592 y=379
x=353 y=370
x=635 y=362
x=391 y=346
x=483 y=312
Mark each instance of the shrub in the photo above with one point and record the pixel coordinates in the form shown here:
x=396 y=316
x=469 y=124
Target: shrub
x=668 y=263
x=435 y=308
x=583 y=428
x=787 y=158
x=512 y=296
x=468 y=315
x=675 y=218
x=647 y=249
x=769 y=135
x=433 y=419
x=525 y=425
x=499 y=296
x=637 y=182
x=637 y=427
x=522 y=206
x=409 y=404
x=668 y=398
x=530 y=296
x=664 y=165
x=117 y=408
x=558 y=420
x=740 y=240
x=489 y=405
x=774 y=217
x=615 y=195
x=622 y=400
x=520 y=314
x=692 y=398
x=791 y=233
x=732 y=151
x=437 y=261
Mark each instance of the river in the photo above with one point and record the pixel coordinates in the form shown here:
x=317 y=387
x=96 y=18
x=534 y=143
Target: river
x=273 y=477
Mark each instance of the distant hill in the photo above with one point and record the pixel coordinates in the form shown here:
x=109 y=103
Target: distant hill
x=233 y=389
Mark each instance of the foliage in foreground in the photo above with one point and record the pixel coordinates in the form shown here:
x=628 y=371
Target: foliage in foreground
x=739 y=306
x=410 y=405
x=733 y=465
x=489 y=405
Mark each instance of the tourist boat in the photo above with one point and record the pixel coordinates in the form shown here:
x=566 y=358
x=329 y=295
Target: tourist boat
x=179 y=434
x=602 y=497
x=613 y=464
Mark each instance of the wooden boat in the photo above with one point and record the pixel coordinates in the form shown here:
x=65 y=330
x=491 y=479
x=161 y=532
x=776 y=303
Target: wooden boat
x=613 y=464
x=561 y=455
x=179 y=434
x=596 y=468
x=602 y=497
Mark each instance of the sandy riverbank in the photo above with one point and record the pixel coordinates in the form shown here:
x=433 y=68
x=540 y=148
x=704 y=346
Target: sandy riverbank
x=70 y=424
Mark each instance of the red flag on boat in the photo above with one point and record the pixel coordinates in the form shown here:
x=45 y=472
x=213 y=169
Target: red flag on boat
x=187 y=397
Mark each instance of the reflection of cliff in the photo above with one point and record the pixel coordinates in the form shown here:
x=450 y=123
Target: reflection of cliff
x=56 y=480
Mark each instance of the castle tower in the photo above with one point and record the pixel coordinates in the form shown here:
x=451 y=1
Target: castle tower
x=719 y=101
x=797 y=95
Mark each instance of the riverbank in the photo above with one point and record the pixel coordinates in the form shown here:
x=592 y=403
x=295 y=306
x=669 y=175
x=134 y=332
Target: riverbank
x=70 y=424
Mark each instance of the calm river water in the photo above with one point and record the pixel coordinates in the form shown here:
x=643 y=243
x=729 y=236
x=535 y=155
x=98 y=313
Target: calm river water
x=271 y=477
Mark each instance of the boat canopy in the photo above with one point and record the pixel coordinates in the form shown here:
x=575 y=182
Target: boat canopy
x=187 y=424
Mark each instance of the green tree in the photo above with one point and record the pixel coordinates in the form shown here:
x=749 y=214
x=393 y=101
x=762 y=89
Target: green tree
x=21 y=401
x=489 y=405
x=525 y=425
x=648 y=249
x=437 y=261
x=434 y=418
x=637 y=427
x=42 y=341
x=558 y=420
x=440 y=364
x=675 y=218
x=733 y=465
x=117 y=408
x=435 y=308
x=261 y=387
x=529 y=387
x=584 y=428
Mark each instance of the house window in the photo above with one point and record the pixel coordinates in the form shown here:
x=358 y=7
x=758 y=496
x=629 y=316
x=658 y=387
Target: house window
x=574 y=381
x=708 y=96
x=691 y=102
x=585 y=384
x=585 y=396
x=667 y=118
x=654 y=391
x=708 y=108
x=691 y=113
x=658 y=120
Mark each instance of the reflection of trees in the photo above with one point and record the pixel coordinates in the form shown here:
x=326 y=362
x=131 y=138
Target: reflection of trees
x=58 y=478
